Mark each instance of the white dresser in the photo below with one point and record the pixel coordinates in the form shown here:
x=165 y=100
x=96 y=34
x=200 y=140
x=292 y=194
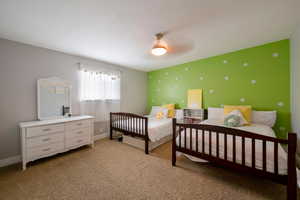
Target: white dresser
x=48 y=137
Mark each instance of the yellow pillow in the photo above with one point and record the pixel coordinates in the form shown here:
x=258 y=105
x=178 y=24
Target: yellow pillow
x=171 y=110
x=159 y=115
x=245 y=110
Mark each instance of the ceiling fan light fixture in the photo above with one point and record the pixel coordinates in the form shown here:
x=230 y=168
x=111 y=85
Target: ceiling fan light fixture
x=158 y=49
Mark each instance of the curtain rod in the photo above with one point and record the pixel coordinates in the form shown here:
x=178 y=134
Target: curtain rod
x=80 y=67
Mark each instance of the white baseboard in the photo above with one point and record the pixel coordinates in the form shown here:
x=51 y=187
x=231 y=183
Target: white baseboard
x=101 y=136
x=17 y=159
x=10 y=161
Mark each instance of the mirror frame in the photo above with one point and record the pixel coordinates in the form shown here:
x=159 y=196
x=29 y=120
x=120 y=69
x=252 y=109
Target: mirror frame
x=53 y=80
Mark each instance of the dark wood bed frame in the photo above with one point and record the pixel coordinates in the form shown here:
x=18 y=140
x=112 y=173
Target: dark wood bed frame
x=135 y=126
x=290 y=179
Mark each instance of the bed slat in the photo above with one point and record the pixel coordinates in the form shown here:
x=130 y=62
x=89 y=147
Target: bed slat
x=191 y=147
x=203 y=148
x=218 y=144
x=264 y=155
x=197 y=150
x=225 y=146
x=185 y=138
x=210 y=143
x=243 y=150
x=234 y=149
x=180 y=136
x=275 y=157
x=253 y=153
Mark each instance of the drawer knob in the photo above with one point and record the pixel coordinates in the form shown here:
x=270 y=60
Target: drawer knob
x=46 y=139
x=79 y=132
x=79 y=124
x=47 y=129
x=79 y=141
x=48 y=149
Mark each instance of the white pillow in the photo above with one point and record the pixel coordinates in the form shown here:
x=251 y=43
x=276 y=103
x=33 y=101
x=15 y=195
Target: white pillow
x=237 y=113
x=215 y=113
x=154 y=111
x=267 y=118
x=179 y=114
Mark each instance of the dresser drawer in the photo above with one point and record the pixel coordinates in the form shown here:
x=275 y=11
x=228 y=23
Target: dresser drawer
x=80 y=132
x=45 y=150
x=44 y=130
x=78 y=124
x=44 y=140
x=77 y=141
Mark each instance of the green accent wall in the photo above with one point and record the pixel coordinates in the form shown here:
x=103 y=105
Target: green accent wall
x=258 y=76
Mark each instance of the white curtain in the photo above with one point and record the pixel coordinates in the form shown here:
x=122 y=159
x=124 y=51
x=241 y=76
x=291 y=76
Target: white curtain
x=99 y=93
x=99 y=85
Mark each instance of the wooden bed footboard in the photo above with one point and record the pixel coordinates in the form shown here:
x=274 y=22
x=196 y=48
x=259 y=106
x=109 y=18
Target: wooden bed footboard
x=130 y=124
x=202 y=132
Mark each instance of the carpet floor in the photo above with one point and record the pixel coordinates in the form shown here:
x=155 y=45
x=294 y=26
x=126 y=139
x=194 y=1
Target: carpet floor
x=112 y=170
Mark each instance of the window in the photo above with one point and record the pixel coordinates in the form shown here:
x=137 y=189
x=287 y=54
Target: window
x=99 y=85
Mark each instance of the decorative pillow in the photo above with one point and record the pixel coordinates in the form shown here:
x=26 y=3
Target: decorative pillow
x=171 y=110
x=215 y=113
x=267 y=118
x=162 y=113
x=154 y=110
x=245 y=110
x=159 y=115
x=234 y=119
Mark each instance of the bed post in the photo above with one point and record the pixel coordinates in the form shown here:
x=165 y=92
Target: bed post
x=174 y=143
x=292 y=175
x=110 y=126
x=146 y=137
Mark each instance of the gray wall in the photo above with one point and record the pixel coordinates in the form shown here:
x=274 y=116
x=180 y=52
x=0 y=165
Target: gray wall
x=20 y=67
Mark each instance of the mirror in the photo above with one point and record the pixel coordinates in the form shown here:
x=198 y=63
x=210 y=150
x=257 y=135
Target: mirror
x=53 y=98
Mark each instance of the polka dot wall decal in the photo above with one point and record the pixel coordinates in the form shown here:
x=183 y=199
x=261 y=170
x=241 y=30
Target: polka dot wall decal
x=275 y=55
x=201 y=78
x=226 y=78
x=280 y=104
x=242 y=99
x=253 y=82
x=225 y=61
x=221 y=105
x=211 y=91
x=182 y=101
x=158 y=81
x=166 y=73
x=281 y=128
x=158 y=90
x=186 y=69
x=177 y=78
x=245 y=64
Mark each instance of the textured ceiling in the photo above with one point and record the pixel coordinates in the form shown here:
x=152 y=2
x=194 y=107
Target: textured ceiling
x=122 y=31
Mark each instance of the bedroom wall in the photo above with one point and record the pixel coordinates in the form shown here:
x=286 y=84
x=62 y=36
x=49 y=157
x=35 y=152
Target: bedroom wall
x=295 y=81
x=20 y=67
x=258 y=76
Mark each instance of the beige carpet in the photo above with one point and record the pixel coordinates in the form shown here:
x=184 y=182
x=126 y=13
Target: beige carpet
x=113 y=170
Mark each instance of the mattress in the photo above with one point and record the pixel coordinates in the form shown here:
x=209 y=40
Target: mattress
x=254 y=128
x=157 y=128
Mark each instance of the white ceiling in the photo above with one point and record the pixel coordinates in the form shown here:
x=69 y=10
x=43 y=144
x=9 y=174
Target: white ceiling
x=122 y=31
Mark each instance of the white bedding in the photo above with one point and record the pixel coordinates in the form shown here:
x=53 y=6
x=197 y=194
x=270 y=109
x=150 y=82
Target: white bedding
x=255 y=128
x=157 y=128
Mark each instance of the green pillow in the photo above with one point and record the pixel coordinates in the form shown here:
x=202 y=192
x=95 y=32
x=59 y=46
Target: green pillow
x=232 y=121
